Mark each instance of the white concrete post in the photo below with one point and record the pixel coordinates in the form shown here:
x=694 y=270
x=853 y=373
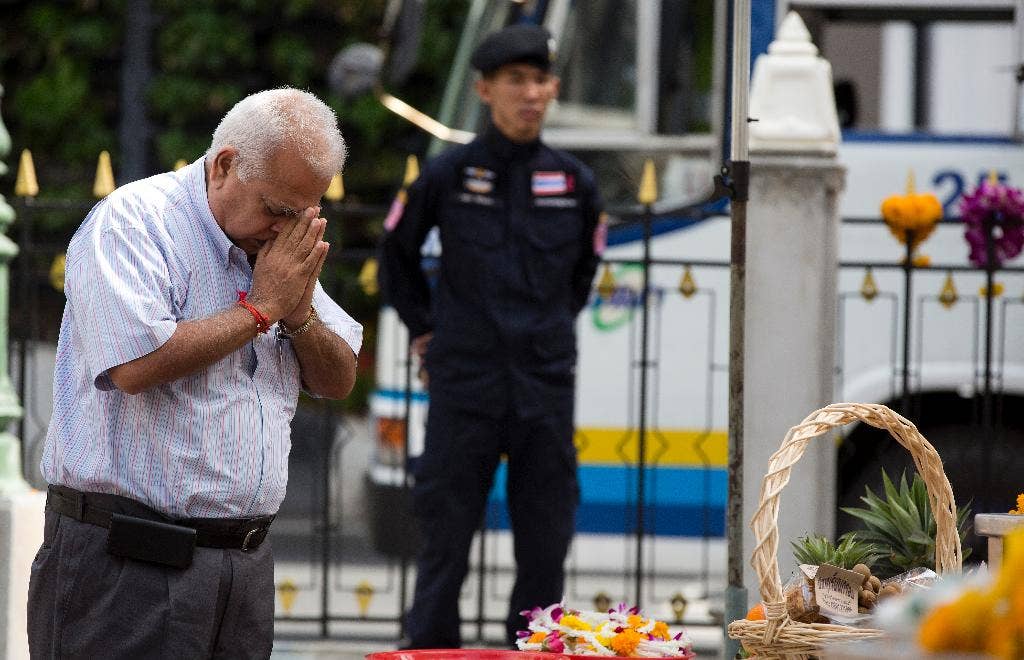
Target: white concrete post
x=21 y=509
x=792 y=268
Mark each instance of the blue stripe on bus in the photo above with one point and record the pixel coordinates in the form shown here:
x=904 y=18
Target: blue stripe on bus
x=925 y=138
x=679 y=501
x=399 y=395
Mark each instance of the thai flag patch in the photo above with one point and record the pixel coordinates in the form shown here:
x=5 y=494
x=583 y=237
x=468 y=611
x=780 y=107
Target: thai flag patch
x=551 y=183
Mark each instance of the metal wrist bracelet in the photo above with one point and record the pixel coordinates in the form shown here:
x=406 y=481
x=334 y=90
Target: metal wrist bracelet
x=306 y=325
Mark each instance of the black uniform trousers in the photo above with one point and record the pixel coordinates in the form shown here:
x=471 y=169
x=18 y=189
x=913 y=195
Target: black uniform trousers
x=453 y=477
x=85 y=603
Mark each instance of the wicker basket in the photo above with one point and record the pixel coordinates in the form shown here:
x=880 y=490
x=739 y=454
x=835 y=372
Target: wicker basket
x=779 y=637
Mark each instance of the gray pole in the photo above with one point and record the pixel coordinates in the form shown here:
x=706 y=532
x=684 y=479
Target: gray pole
x=736 y=594
x=133 y=133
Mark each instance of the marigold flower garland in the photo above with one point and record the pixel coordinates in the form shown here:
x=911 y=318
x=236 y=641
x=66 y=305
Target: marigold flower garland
x=1019 y=511
x=622 y=632
x=1001 y=205
x=911 y=214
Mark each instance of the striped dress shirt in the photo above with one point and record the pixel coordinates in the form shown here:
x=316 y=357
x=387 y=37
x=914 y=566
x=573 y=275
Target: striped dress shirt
x=212 y=444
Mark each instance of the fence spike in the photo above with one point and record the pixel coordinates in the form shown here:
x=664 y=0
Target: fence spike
x=25 y=185
x=368 y=277
x=104 y=183
x=57 y=271
x=412 y=171
x=335 y=191
x=911 y=182
x=648 y=193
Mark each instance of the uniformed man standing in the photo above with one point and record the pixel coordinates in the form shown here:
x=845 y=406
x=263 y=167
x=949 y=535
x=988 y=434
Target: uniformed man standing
x=520 y=234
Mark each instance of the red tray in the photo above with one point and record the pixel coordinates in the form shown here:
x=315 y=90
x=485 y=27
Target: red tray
x=473 y=654
x=468 y=654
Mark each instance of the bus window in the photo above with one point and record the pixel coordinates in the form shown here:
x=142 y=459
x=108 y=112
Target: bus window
x=598 y=96
x=904 y=70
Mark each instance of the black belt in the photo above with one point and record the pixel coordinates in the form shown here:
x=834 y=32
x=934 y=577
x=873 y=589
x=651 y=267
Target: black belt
x=98 y=509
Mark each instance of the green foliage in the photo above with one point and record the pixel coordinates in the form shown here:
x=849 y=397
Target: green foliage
x=902 y=526
x=61 y=68
x=850 y=551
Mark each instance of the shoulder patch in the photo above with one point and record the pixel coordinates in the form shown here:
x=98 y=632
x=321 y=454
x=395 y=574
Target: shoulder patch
x=396 y=211
x=601 y=234
x=478 y=180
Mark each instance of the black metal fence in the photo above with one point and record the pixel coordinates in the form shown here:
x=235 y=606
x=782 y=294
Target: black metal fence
x=333 y=581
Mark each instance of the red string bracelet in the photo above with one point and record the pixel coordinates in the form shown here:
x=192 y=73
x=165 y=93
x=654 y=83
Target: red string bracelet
x=262 y=321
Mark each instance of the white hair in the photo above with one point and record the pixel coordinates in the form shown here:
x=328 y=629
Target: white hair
x=262 y=122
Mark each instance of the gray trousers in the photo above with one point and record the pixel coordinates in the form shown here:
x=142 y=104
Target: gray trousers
x=85 y=603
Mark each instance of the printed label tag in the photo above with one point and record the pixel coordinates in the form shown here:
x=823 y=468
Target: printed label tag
x=836 y=590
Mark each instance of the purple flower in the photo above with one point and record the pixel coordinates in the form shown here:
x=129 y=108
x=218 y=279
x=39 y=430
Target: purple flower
x=523 y=633
x=556 y=614
x=995 y=208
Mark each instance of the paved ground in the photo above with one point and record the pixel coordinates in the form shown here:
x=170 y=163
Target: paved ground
x=322 y=650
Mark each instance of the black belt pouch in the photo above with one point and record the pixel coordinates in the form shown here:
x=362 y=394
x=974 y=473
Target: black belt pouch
x=152 y=541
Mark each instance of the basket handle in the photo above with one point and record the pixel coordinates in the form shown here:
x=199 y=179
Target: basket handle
x=948 y=554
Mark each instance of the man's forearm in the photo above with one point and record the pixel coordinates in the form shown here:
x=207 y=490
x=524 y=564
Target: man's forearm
x=194 y=346
x=328 y=364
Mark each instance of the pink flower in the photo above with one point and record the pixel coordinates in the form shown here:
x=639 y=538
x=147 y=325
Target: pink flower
x=554 y=643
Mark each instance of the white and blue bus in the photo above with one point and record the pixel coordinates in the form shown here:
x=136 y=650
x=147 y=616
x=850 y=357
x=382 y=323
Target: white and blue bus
x=930 y=87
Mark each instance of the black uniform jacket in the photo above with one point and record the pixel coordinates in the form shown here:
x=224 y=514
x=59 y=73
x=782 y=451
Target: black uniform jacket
x=517 y=224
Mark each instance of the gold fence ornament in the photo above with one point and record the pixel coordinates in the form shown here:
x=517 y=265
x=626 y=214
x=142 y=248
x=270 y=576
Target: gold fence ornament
x=287 y=591
x=648 y=193
x=364 y=594
x=678 y=604
x=25 y=185
x=57 y=271
x=104 y=183
x=997 y=290
x=335 y=191
x=602 y=601
x=412 y=171
x=948 y=295
x=868 y=288
x=687 y=286
x=368 y=277
x=606 y=285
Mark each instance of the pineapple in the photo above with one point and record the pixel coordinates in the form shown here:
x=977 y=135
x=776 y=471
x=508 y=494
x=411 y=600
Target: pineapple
x=901 y=526
x=817 y=550
x=850 y=553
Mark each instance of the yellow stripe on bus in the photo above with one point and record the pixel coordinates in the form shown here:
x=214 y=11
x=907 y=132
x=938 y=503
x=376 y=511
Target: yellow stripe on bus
x=668 y=447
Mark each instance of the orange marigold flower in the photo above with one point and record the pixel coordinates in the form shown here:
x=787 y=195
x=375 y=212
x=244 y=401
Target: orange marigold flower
x=660 y=630
x=537 y=637
x=1019 y=511
x=625 y=642
x=634 y=621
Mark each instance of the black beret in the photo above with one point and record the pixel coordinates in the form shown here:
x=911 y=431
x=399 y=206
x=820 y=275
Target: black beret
x=516 y=43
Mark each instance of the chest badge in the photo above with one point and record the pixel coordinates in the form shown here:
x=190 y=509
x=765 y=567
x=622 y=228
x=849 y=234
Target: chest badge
x=478 y=180
x=545 y=184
